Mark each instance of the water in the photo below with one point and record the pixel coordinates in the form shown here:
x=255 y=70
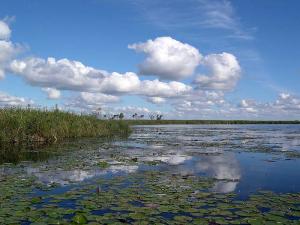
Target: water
x=243 y=158
x=240 y=160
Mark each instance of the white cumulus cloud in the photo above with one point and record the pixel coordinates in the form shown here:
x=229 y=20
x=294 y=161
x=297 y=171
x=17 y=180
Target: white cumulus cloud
x=91 y=101
x=168 y=58
x=52 y=93
x=4 y=31
x=156 y=100
x=65 y=74
x=224 y=69
x=120 y=83
x=61 y=74
x=156 y=88
x=10 y=100
x=7 y=49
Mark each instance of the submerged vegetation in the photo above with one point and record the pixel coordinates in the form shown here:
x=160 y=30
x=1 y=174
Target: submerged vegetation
x=25 y=126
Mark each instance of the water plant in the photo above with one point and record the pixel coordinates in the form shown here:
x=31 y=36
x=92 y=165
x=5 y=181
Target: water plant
x=142 y=180
x=151 y=197
x=21 y=126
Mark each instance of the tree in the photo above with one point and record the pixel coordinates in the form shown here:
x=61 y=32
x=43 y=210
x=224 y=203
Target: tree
x=134 y=115
x=159 y=117
x=121 y=116
x=115 y=116
x=151 y=116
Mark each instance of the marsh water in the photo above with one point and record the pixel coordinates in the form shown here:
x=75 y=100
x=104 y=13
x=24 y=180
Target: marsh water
x=236 y=162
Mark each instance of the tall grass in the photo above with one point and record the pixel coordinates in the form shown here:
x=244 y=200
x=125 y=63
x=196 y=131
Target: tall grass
x=19 y=125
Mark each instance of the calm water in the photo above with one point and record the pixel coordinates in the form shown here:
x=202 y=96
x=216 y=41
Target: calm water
x=242 y=158
x=210 y=173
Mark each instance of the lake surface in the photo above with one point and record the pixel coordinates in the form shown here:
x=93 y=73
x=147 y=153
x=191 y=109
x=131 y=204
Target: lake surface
x=168 y=174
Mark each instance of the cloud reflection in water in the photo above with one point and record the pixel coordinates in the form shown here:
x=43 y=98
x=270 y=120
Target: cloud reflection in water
x=64 y=177
x=225 y=168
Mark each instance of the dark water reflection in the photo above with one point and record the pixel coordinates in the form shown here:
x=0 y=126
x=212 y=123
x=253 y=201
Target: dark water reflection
x=15 y=155
x=241 y=158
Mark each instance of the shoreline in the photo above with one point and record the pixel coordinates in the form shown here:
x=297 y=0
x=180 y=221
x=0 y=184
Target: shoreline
x=39 y=127
x=209 y=122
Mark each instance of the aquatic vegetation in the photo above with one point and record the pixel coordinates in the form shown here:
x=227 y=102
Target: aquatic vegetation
x=147 y=179
x=292 y=154
x=149 y=197
x=103 y=164
x=79 y=219
x=24 y=126
x=214 y=139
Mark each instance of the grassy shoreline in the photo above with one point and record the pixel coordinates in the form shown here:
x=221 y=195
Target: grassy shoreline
x=27 y=126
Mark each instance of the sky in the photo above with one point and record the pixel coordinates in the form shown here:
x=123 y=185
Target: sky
x=184 y=59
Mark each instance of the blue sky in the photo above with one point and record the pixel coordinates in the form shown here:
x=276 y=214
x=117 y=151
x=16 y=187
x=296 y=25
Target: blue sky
x=185 y=59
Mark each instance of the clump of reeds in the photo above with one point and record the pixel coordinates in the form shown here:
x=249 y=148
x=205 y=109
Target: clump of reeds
x=18 y=125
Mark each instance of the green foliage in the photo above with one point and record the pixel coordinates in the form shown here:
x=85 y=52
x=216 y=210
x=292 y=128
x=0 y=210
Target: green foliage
x=103 y=164
x=121 y=116
x=79 y=219
x=21 y=126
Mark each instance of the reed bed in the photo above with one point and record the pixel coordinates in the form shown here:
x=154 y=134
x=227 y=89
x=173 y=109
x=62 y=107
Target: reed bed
x=19 y=126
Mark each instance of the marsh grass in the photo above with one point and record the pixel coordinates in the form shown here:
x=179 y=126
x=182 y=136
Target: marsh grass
x=21 y=126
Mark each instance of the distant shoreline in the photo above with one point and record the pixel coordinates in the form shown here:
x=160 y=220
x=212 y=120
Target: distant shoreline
x=207 y=122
